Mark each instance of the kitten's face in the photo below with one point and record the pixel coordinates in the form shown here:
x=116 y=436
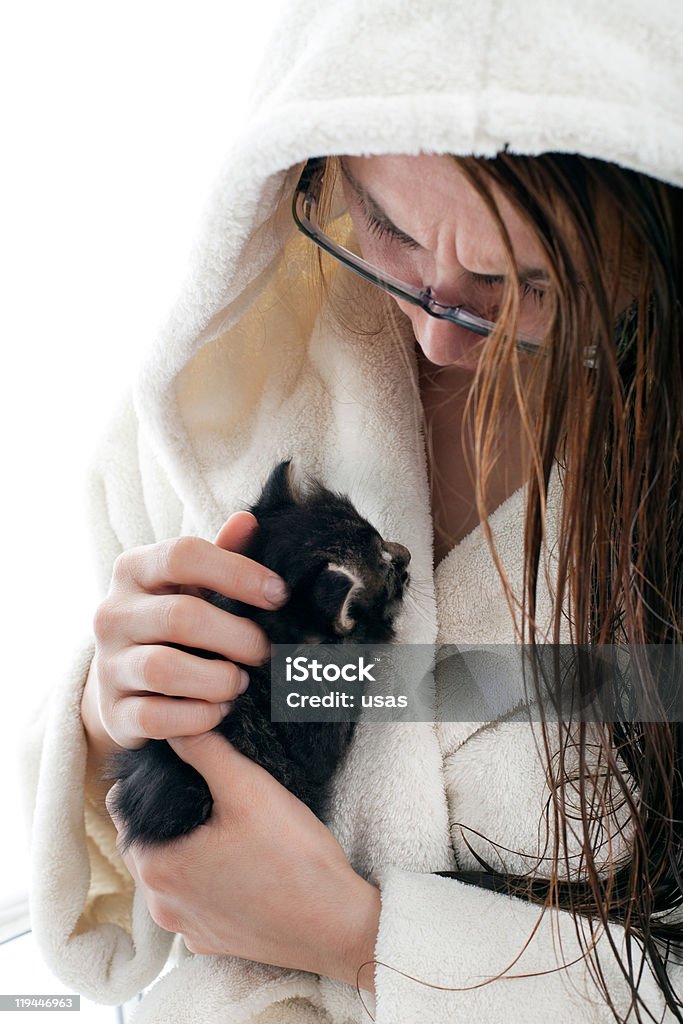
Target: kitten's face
x=359 y=587
x=347 y=582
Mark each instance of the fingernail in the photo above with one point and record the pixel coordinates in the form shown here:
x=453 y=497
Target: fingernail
x=275 y=590
x=244 y=681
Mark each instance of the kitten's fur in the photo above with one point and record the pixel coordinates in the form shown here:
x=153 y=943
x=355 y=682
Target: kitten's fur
x=346 y=586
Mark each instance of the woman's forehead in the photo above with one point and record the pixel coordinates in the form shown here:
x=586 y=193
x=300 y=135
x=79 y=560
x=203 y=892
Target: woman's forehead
x=431 y=193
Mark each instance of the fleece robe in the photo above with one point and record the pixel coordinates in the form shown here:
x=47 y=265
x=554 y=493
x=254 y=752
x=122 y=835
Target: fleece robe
x=253 y=366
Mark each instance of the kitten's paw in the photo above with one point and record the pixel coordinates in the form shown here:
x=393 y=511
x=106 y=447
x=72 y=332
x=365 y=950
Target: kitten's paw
x=157 y=800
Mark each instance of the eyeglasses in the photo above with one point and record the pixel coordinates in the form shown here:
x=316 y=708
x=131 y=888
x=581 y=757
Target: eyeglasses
x=305 y=213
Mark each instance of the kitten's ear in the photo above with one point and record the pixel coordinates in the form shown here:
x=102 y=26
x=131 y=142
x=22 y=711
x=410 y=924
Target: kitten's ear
x=286 y=485
x=332 y=594
x=299 y=483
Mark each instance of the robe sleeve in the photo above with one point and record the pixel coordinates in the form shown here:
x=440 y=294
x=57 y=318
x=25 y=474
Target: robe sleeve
x=92 y=927
x=502 y=958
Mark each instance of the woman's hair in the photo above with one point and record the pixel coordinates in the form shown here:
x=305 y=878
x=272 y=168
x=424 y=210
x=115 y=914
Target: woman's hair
x=611 y=426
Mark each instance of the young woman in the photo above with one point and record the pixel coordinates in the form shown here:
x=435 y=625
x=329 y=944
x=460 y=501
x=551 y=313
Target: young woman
x=488 y=360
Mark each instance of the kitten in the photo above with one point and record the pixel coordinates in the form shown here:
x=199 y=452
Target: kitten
x=346 y=586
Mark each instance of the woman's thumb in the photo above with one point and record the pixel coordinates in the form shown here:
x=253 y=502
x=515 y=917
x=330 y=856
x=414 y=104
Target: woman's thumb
x=237 y=531
x=210 y=753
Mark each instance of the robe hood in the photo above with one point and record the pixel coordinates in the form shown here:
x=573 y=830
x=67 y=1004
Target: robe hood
x=603 y=80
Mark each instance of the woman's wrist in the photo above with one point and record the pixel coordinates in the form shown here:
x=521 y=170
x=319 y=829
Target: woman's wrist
x=356 y=936
x=100 y=743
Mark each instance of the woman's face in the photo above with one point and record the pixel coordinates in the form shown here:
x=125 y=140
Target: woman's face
x=419 y=217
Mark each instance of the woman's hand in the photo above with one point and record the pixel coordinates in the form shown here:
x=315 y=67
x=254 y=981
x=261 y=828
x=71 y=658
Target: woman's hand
x=263 y=879
x=154 y=601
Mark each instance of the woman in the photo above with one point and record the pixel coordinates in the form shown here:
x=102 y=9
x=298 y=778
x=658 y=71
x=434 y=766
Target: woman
x=543 y=292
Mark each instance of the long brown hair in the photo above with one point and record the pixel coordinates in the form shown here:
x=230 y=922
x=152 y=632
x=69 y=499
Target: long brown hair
x=612 y=426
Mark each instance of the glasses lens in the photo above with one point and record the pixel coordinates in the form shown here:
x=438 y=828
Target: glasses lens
x=355 y=230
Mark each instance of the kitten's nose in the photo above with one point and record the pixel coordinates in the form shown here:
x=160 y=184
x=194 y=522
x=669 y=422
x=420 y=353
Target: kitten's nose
x=400 y=557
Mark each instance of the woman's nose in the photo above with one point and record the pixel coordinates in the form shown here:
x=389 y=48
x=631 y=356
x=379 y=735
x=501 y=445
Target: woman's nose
x=445 y=343
x=432 y=330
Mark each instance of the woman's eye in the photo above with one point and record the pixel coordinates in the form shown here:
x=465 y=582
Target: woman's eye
x=498 y=281
x=383 y=229
x=537 y=294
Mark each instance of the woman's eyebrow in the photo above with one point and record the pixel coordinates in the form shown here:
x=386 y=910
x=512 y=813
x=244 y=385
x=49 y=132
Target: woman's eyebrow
x=373 y=207
x=537 y=275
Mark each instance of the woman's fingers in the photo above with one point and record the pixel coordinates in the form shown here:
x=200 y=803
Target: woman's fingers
x=192 y=622
x=152 y=668
x=163 y=567
x=142 y=685
x=155 y=717
x=155 y=607
x=237 y=531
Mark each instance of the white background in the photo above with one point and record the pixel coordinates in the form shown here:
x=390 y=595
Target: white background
x=114 y=119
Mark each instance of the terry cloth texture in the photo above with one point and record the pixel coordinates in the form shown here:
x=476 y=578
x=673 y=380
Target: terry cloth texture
x=252 y=367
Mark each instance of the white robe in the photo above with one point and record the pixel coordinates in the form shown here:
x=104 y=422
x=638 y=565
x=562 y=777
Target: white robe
x=249 y=369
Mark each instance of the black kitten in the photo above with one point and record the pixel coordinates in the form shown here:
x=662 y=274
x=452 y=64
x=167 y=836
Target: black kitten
x=346 y=586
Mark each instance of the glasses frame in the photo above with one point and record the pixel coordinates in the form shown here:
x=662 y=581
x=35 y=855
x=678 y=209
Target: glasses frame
x=305 y=214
